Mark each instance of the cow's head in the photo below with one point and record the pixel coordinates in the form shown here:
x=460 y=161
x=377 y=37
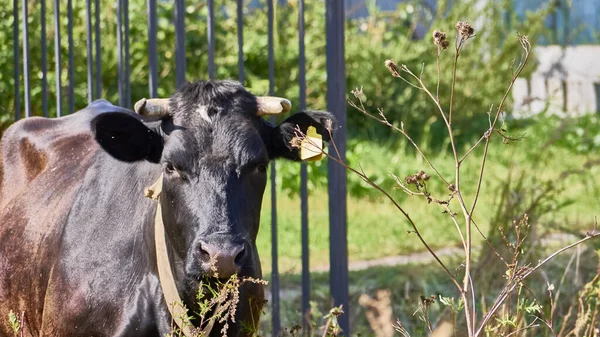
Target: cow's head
x=214 y=148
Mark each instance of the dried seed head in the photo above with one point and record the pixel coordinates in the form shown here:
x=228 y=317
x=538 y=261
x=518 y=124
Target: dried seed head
x=213 y=265
x=465 y=30
x=439 y=39
x=422 y=176
x=329 y=125
x=254 y=280
x=391 y=65
x=418 y=179
x=357 y=92
x=411 y=179
x=296 y=142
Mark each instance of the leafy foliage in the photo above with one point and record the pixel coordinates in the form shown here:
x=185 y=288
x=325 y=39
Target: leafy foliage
x=14 y=322
x=369 y=41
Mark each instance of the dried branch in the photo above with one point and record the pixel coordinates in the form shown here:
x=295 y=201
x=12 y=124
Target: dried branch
x=527 y=49
x=522 y=273
x=383 y=120
x=516 y=272
x=367 y=180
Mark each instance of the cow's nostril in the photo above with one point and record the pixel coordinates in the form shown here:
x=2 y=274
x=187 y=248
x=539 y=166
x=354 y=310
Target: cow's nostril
x=222 y=258
x=204 y=254
x=239 y=257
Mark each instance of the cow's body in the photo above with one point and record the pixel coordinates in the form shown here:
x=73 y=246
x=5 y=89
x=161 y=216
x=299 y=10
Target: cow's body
x=104 y=273
x=77 y=248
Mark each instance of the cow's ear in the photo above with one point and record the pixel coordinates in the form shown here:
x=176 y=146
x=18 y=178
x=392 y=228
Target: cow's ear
x=281 y=140
x=126 y=138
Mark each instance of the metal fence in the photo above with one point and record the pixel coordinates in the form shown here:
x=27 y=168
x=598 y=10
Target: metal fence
x=335 y=103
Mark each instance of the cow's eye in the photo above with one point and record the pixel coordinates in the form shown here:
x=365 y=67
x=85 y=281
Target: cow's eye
x=169 y=168
x=174 y=172
x=262 y=168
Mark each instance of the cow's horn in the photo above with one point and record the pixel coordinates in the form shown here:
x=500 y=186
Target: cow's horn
x=269 y=105
x=153 y=107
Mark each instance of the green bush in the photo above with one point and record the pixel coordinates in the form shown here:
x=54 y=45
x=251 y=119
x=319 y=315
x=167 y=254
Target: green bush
x=369 y=42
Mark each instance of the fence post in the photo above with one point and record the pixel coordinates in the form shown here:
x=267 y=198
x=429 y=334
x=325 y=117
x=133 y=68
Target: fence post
x=70 y=66
x=303 y=179
x=98 y=51
x=121 y=82
x=275 y=266
x=44 y=58
x=57 y=57
x=336 y=103
x=124 y=66
x=26 y=74
x=211 y=38
x=179 y=43
x=127 y=76
x=240 y=34
x=152 y=48
x=90 y=55
x=17 y=60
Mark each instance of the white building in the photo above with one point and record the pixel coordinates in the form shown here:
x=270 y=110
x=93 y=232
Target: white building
x=566 y=82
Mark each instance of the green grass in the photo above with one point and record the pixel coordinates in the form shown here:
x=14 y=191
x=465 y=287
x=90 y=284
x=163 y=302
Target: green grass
x=376 y=229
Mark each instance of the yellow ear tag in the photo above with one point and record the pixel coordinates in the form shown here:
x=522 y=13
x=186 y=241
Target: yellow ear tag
x=311 y=147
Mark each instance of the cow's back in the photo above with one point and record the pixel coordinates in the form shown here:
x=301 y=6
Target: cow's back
x=34 y=148
x=42 y=169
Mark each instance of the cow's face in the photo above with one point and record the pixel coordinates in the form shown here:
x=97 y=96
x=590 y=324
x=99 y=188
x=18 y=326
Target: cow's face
x=214 y=151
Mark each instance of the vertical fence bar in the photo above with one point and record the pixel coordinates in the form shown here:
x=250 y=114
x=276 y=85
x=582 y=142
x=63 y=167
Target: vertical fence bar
x=274 y=255
x=179 y=42
x=90 y=55
x=44 y=59
x=16 y=60
x=121 y=83
x=70 y=67
x=211 y=38
x=57 y=57
x=336 y=103
x=240 y=35
x=26 y=59
x=126 y=76
x=303 y=178
x=98 y=52
x=152 y=48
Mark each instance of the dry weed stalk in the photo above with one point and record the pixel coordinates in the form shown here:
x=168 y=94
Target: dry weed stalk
x=332 y=327
x=218 y=302
x=17 y=324
x=516 y=272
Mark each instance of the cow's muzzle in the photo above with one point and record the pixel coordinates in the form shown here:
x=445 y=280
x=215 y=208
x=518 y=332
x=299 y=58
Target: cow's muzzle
x=221 y=259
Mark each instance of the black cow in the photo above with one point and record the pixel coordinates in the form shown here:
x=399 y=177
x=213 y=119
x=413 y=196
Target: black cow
x=77 y=243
